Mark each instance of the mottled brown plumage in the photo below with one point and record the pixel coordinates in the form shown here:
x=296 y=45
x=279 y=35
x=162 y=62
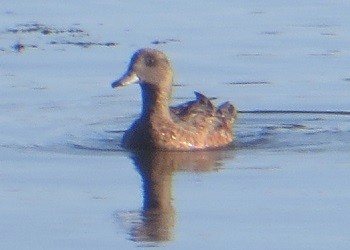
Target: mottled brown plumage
x=193 y=125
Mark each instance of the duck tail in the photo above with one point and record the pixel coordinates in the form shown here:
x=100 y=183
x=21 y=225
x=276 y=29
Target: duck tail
x=227 y=110
x=204 y=100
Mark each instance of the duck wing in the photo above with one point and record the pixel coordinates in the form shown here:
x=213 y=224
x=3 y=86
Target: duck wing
x=200 y=106
x=202 y=112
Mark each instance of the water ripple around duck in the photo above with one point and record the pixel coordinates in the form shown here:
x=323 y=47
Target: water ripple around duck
x=292 y=130
x=273 y=131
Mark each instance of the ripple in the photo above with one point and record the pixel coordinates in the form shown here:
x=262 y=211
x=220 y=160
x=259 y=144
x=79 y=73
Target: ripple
x=293 y=131
x=259 y=131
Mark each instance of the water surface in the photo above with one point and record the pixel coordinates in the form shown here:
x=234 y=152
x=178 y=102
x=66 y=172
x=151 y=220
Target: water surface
x=65 y=181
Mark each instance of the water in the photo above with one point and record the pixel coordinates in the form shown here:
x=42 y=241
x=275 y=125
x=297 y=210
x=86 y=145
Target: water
x=65 y=181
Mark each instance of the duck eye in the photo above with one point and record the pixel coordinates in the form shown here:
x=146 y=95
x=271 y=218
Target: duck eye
x=150 y=61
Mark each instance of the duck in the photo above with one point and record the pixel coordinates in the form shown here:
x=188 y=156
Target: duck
x=195 y=125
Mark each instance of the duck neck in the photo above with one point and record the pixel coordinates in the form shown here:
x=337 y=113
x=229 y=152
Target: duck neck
x=155 y=101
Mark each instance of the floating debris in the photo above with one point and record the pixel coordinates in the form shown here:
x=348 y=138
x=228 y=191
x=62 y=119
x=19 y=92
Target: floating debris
x=19 y=47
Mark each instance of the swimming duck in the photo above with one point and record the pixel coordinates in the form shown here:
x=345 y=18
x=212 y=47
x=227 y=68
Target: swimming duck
x=193 y=125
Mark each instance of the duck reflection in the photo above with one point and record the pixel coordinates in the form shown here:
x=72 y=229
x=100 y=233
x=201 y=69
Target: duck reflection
x=156 y=169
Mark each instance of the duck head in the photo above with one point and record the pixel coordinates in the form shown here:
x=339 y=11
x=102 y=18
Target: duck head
x=147 y=66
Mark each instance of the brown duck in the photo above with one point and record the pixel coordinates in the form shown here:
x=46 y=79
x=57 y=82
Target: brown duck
x=193 y=125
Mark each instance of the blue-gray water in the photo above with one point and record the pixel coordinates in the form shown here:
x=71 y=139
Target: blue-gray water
x=65 y=182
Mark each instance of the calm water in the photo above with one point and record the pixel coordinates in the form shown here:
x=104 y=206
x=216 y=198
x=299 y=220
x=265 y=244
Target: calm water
x=65 y=182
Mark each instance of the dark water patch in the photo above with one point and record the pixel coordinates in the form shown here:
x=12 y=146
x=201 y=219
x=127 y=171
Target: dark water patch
x=39 y=88
x=252 y=54
x=103 y=96
x=179 y=85
x=328 y=34
x=268 y=168
x=9 y=12
x=310 y=112
x=45 y=30
x=287 y=126
x=52 y=107
x=85 y=44
x=165 y=41
x=249 y=83
x=327 y=53
x=23 y=147
x=347 y=79
x=316 y=25
x=115 y=131
x=48 y=35
x=257 y=12
x=106 y=141
x=271 y=33
x=90 y=148
x=250 y=142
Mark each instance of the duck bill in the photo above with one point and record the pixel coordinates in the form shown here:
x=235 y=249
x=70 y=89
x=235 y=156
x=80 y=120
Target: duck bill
x=128 y=78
